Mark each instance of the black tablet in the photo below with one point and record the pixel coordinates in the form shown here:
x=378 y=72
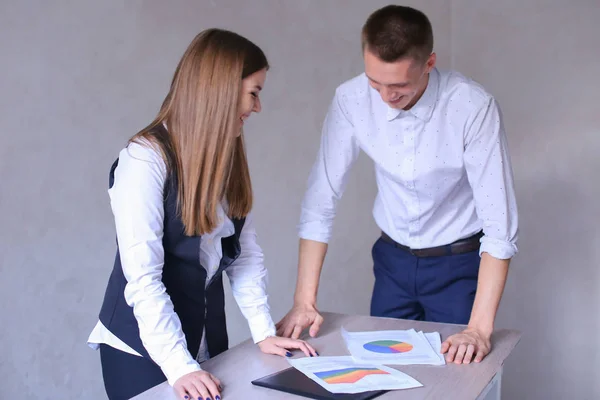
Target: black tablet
x=295 y=382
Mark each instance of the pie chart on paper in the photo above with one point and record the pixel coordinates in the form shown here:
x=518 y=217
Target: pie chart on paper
x=388 y=346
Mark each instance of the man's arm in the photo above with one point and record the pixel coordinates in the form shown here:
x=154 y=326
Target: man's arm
x=326 y=184
x=304 y=313
x=490 y=286
x=475 y=340
x=490 y=175
x=310 y=262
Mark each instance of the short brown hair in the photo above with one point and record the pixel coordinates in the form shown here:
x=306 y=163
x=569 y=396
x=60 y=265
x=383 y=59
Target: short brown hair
x=397 y=32
x=201 y=115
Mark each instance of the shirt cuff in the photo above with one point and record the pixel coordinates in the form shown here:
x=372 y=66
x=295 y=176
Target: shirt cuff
x=497 y=248
x=314 y=233
x=179 y=363
x=314 y=226
x=261 y=327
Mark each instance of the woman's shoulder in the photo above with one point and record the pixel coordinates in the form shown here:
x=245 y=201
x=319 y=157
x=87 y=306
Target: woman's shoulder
x=142 y=150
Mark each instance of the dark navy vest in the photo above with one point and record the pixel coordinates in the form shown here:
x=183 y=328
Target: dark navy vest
x=184 y=279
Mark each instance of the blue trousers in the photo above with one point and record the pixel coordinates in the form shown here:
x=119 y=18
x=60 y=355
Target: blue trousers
x=437 y=289
x=126 y=375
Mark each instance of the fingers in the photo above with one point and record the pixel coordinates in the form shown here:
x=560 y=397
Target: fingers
x=283 y=346
x=297 y=332
x=311 y=350
x=469 y=354
x=204 y=394
x=306 y=348
x=281 y=351
x=211 y=386
x=303 y=346
x=316 y=325
x=284 y=327
x=445 y=346
x=280 y=330
x=461 y=347
x=451 y=353
x=460 y=354
x=193 y=390
x=288 y=329
x=277 y=349
x=217 y=382
x=463 y=353
x=181 y=392
x=199 y=385
x=281 y=324
x=482 y=351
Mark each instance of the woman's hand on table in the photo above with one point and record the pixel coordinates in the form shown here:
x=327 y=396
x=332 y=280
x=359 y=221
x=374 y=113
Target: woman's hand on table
x=198 y=385
x=283 y=346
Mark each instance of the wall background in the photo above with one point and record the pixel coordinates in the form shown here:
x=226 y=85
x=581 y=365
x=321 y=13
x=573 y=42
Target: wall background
x=79 y=78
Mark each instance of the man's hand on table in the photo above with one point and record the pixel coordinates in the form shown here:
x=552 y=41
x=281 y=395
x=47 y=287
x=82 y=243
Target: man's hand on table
x=299 y=318
x=472 y=344
x=460 y=348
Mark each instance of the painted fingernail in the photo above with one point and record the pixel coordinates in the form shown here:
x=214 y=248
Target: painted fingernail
x=288 y=354
x=185 y=397
x=218 y=398
x=316 y=352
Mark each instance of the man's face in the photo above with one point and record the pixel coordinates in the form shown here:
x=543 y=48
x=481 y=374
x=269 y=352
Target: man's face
x=400 y=83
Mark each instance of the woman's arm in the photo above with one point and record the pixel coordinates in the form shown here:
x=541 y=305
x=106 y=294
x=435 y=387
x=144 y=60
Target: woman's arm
x=137 y=204
x=249 y=278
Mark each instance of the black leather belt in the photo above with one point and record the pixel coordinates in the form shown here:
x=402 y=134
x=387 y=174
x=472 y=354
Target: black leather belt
x=459 y=247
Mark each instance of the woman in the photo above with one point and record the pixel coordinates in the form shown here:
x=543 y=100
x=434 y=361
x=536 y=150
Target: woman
x=181 y=197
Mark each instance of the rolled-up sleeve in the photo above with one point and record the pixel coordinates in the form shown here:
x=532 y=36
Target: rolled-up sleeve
x=490 y=175
x=328 y=177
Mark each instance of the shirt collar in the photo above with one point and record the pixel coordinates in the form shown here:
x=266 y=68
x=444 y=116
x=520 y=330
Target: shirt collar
x=424 y=107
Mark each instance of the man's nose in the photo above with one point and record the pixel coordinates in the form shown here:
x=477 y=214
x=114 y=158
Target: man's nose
x=387 y=94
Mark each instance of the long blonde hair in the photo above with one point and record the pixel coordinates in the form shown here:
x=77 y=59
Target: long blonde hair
x=202 y=144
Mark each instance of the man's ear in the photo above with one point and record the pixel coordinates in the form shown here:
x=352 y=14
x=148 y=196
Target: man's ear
x=431 y=62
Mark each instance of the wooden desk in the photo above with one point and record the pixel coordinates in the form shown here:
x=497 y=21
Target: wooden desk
x=238 y=366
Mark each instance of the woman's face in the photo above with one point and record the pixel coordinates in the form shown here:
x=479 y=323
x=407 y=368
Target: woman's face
x=249 y=99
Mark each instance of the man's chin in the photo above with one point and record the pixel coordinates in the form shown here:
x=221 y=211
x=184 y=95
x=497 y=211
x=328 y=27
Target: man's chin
x=397 y=106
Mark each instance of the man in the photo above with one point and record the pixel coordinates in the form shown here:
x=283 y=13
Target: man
x=445 y=202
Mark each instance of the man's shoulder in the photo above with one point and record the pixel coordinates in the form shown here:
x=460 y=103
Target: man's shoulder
x=455 y=86
x=353 y=87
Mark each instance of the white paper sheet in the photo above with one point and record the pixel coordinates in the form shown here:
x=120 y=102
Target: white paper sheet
x=345 y=375
x=394 y=347
x=435 y=341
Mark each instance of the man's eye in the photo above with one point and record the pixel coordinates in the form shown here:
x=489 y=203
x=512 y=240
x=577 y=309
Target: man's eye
x=254 y=94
